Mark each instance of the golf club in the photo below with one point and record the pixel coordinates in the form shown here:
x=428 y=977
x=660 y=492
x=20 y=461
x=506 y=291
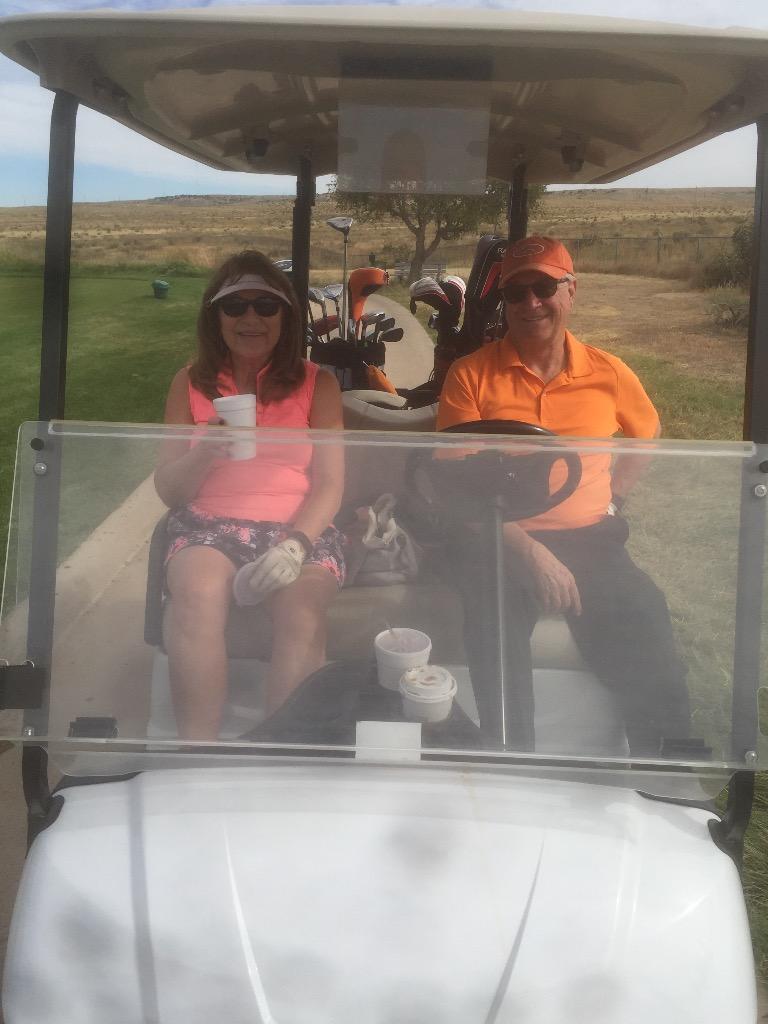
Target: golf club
x=342 y=224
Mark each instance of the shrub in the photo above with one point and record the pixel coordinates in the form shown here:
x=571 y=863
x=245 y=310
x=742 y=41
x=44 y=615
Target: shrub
x=730 y=307
x=731 y=268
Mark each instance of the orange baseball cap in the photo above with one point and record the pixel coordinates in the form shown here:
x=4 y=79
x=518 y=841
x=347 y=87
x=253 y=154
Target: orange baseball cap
x=538 y=252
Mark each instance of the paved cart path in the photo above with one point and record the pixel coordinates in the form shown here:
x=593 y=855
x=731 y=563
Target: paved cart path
x=410 y=361
x=12 y=840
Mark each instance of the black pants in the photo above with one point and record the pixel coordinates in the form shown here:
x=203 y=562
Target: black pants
x=624 y=634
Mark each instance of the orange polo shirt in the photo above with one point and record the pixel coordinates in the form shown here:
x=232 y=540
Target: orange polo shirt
x=596 y=395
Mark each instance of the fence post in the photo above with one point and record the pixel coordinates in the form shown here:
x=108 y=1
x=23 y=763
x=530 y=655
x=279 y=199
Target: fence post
x=658 y=249
x=616 y=250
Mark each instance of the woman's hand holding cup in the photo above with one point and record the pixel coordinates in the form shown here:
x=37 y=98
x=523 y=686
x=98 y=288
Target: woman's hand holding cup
x=238 y=411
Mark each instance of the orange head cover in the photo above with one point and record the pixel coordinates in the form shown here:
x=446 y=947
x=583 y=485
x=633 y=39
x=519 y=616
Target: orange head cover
x=364 y=282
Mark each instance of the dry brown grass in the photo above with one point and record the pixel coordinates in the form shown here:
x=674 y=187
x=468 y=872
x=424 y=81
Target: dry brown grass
x=202 y=230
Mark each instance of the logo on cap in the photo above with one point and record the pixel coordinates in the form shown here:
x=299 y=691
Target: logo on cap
x=526 y=249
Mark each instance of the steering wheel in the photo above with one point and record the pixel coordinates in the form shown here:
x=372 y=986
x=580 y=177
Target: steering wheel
x=499 y=427
x=465 y=488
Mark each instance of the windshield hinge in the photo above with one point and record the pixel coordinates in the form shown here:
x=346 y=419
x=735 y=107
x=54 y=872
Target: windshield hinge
x=21 y=686
x=96 y=728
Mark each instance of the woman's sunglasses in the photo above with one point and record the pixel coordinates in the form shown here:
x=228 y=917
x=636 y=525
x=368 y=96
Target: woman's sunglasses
x=543 y=289
x=264 y=305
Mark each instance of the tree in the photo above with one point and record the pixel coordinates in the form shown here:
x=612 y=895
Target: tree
x=433 y=219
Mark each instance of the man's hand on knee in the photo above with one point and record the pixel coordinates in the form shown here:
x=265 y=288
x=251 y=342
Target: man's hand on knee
x=555 y=586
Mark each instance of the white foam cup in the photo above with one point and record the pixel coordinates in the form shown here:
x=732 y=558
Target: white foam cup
x=238 y=411
x=427 y=692
x=398 y=649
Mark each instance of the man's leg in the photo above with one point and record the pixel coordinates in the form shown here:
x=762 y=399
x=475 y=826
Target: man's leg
x=625 y=633
x=474 y=578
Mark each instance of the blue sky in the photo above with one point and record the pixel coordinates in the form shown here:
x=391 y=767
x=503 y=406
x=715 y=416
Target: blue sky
x=114 y=163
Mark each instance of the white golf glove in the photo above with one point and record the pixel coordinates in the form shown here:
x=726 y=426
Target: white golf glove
x=276 y=568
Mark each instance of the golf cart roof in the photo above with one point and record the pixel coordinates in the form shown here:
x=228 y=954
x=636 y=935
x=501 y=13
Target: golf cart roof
x=577 y=99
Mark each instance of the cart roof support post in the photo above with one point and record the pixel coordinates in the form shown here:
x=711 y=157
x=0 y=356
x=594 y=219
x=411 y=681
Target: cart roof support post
x=749 y=588
x=302 y=227
x=756 y=382
x=517 y=208
x=47 y=454
x=729 y=833
x=58 y=246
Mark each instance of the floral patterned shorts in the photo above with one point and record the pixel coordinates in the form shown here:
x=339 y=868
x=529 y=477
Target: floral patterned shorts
x=243 y=540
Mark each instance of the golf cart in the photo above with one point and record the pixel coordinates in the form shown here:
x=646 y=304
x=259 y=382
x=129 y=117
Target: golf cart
x=351 y=859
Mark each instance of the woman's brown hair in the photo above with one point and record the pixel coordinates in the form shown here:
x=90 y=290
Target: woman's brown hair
x=286 y=368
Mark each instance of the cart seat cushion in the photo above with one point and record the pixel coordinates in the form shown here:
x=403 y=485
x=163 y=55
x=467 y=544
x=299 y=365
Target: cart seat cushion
x=359 y=613
x=362 y=415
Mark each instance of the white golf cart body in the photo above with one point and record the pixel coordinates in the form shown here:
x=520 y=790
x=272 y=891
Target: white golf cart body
x=357 y=866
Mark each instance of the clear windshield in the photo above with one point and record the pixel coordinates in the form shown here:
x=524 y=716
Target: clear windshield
x=442 y=642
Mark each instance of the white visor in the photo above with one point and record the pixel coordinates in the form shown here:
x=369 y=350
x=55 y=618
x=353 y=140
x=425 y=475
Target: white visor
x=248 y=281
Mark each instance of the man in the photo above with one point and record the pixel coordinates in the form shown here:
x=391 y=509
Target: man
x=571 y=559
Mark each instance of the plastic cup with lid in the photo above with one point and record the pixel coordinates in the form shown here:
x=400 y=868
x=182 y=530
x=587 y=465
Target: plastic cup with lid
x=427 y=692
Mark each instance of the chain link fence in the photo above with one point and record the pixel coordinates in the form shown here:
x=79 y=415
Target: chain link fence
x=677 y=255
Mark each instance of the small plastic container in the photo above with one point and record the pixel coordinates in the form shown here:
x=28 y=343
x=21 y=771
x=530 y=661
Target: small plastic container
x=427 y=693
x=160 y=289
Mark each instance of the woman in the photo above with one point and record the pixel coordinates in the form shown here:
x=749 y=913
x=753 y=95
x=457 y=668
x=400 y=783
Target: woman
x=261 y=526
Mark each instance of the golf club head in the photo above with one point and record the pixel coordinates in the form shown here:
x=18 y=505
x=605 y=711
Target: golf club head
x=363 y=281
x=316 y=296
x=386 y=323
x=373 y=286
x=325 y=325
x=342 y=224
x=455 y=288
x=371 y=318
x=428 y=291
x=333 y=292
x=482 y=284
x=368 y=324
x=395 y=334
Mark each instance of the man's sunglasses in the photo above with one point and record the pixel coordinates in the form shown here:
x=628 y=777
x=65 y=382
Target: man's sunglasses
x=264 y=305
x=543 y=289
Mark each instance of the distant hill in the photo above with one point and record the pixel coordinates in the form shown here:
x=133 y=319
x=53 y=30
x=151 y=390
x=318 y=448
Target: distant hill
x=214 y=200
x=200 y=230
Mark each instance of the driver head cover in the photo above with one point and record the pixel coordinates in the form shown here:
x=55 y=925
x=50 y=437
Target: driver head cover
x=547 y=255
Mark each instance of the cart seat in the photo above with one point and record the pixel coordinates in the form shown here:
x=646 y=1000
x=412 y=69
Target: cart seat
x=359 y=613
x=362 y=414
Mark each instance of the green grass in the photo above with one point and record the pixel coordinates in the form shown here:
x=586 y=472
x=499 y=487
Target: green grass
x=756 y=874
x=125 y=346
x=690 y=406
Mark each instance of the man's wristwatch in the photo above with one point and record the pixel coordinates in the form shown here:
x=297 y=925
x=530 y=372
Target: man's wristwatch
x=616 y=505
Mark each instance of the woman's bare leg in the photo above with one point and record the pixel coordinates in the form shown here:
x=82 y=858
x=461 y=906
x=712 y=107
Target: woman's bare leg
x=298 y=632
x=200 y=584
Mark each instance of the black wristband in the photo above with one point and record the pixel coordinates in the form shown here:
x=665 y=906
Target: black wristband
x=302 y=538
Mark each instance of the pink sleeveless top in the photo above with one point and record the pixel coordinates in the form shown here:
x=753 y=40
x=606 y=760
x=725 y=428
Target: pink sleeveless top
x=272 y=486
